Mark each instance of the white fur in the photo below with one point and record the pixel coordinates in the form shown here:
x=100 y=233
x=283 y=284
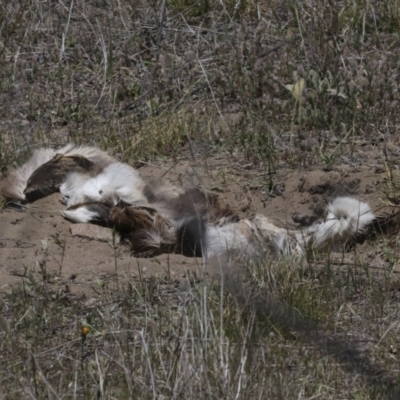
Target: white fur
x=118 y=181
x=13 y=186
x=239 y=237
x=81 y=214
x=72 y=186
x=346 y=217
x=115 y=183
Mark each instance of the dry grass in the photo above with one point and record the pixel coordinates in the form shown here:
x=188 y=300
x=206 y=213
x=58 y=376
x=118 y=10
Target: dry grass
x=267 y=332
x=291 y=83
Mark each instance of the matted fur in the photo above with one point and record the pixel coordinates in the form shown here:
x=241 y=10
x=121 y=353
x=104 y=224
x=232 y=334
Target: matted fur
x=116 y=182
x=156 y=190
x=147 y=230
x=49 y=176
x=167 y=221
x=13 y=186
x=88 y=212
x=198 y=235
x=346 y=218
x=158 y=217
x=192 y=202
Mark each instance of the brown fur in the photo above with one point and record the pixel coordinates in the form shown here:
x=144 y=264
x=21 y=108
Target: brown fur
x=157 y=190
x=48 y=177
x=149 y=227
x=15 y=184
x=150 y=243
x=127 y=218
x=161 y=217
x=147 y=230
x=189 y=203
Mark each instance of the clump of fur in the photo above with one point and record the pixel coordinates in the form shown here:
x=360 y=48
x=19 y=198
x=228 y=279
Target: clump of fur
x=14 y=185
x=117 y=181
x=147 y=230
x=181 y=215
x=178 y=204
x=158 y=217
x=346 y=218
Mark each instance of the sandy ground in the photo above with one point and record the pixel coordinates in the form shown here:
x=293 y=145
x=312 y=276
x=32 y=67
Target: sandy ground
x=37 y=243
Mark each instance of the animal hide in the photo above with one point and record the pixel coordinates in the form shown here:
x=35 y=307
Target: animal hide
x=158 y=217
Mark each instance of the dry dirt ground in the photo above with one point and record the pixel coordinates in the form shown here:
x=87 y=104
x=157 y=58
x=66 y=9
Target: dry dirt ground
x=36 y=241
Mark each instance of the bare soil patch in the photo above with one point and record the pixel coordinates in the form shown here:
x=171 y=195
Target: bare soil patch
x=37 y=240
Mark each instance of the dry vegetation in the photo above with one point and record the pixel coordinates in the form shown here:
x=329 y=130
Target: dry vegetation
x=279 y=84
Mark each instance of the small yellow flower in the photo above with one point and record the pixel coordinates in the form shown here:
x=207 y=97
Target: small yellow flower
x=85 y=330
